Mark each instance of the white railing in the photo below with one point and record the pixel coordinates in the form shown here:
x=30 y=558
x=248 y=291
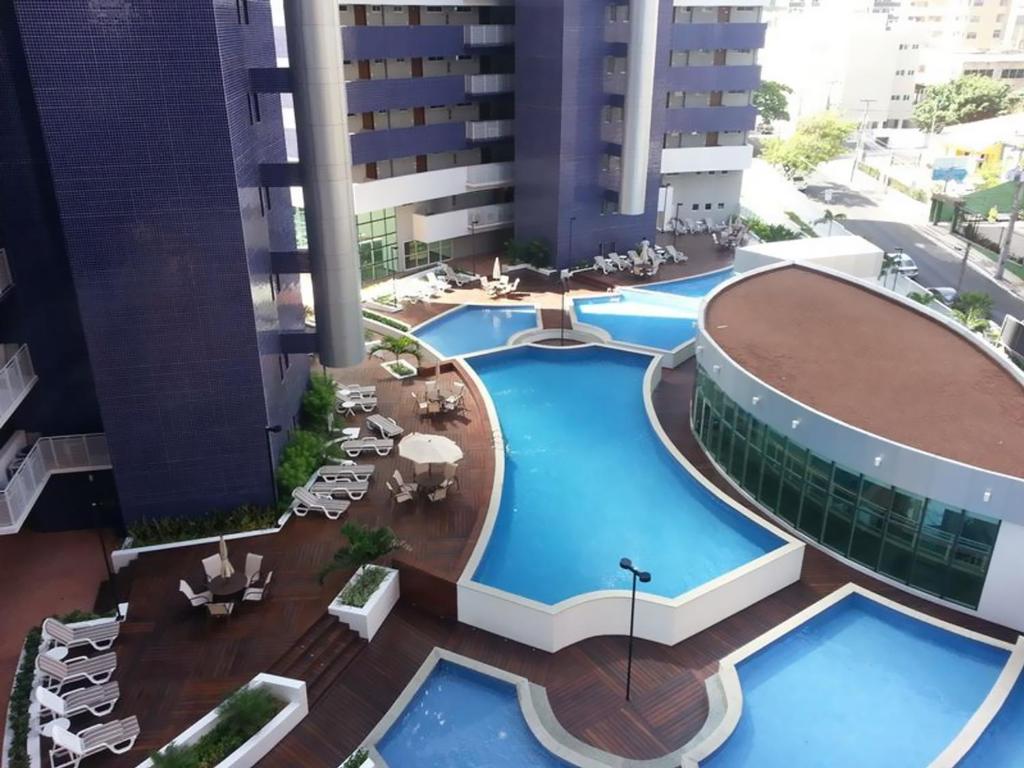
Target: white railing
x=431 y=227
x=489 y=174
x=487 y=34
x=16 y=378
x=48 y=455
x=484 y=84
x=6 y=281
x=490 y=216
x=488 y=129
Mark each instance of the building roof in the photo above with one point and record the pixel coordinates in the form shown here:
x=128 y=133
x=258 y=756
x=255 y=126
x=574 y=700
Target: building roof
x=981 y=134
x=873 y=363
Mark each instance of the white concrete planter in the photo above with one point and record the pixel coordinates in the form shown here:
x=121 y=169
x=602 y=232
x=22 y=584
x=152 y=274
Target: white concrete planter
x=390 y=367
x=256 y=748
x=367 y=763
x=368 y=619
x=119 y=558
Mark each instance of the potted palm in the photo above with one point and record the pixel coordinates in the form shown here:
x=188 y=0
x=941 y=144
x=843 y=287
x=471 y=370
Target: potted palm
x=368 y=597
x=399 y=346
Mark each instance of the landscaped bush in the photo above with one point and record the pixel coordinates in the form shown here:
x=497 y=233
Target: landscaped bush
x=770 y=233
x=390 y=321
x=365 y=544
x=358 y=757
x=165 y=530
x=806 y=228
x=362 y=588
x=299 y=459
x=240 y=718
x=318 y=402
x=536 y=253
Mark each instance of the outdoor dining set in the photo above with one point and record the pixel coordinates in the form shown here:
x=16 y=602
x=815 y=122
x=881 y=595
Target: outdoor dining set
x=437 y=400
x=227 y=587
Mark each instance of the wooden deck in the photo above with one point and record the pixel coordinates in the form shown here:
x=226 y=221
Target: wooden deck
x=176 y=663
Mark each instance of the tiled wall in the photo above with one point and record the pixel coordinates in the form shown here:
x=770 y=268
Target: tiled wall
x=145 y=116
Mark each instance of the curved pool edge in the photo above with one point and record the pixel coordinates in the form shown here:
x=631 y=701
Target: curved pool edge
x=650 y=286
x=670 y=358
x=719 y=726
x=441 y=358
x=604 y=612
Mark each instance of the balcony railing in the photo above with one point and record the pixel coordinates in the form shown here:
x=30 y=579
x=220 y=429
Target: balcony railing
x=480 y=85
x=444 y=225
x=490 y=175
x=484 y=130
x=487 y=34
x=6 y=281
x=17 y=377
x=48 y=455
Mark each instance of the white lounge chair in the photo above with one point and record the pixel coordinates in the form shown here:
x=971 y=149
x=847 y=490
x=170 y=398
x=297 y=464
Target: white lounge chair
x=382 y=446
x=676 y=255
x=100 y=634
x=402 y=484
x=332 y=472
x=385 y=426
x=220 y=609
x=305 y=502
x=437 y=283
x=117 y=736
x=600 y=262
x=352 y=391
x=253 y=564
x=349 y=407
x=619 y=261
x=352 y=489
x=98 y=700
x=197 y=599
x=60 y=672
x=459 y=278
x=256 y=594
x=398 y=494
x=511 y=287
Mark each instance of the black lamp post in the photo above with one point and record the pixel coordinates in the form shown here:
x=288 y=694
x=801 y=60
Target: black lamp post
x=473 y=221
x=643 y=577
x=272 y=430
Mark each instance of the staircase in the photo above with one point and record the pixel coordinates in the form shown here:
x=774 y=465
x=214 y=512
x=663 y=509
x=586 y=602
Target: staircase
x=320 y=656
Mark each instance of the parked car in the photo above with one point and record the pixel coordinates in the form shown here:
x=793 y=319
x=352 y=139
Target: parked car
x=944 y=294
x=800 y=182
x=904 y=264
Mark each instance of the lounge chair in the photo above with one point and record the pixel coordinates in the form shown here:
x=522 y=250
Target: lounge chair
x=305 y=502
x=253 y=564
x=117 y=736
x=385 y=426
x=256 y=594
x=333 y=472
x=351 y=391
x=352 y=489
x=600 y=262
x=437 y=283
x=98 y=700
x=197 y=599
x=400 y=482
x=636 y=258
x=212 y=566
x=220 y=609
x=511 y=287
x=100 y=635
x=398 y=495
x=677 y=256
x=60 y=672
x=490 y=287
x=459 y=278
x=382 y=446
x=349 y=407
x=618 y=260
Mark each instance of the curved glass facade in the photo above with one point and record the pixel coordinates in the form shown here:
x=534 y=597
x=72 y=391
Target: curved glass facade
x=932 y=546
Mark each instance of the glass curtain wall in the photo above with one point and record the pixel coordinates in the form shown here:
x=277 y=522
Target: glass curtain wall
x=418 y=254
x=932 y=546
x=377 y=244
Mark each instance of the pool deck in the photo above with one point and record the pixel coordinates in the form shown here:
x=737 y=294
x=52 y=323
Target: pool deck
x=175 y=663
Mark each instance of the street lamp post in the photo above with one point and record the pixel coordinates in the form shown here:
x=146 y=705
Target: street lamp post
x=473 y=221
x=272 y=430
x=643 y=577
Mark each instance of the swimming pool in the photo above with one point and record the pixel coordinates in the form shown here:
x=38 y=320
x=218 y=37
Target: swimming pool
x=588 y=481
x=1002 y=743
x=461 y=717
x=473 y=328
x=858 y=684
x=661 y=316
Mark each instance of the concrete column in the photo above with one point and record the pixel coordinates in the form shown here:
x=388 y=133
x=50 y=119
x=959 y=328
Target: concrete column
x=639 y=101
x=314 y=55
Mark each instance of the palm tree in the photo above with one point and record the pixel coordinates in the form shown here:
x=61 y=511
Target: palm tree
x=830 y=217
x=398 y=346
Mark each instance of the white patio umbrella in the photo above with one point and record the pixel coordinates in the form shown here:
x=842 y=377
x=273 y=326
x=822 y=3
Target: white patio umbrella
x=429 y=449
x=496 y=272
x=226 y=569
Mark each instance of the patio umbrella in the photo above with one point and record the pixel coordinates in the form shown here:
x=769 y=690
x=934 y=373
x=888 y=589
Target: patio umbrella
x=226 y=569
x=496 y=272
x=429 y=449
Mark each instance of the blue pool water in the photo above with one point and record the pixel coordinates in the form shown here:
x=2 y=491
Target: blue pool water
x=587 y=482
x=659 y=316
x=471 y=329
x=461 y=718
x=1002 y=743
x=858 y=685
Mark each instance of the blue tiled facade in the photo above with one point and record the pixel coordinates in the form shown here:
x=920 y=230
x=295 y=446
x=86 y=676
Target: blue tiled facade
x=153 y=145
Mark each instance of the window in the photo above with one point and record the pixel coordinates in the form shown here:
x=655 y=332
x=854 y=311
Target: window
x=721 y=206
x=707 y=206
x=418 y=254
x=1012 y=74
x=695 y=207
x=375 y=237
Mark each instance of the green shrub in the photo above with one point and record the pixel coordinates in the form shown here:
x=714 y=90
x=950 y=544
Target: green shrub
x=977 y=301
x=806 y=228
x=165 y=530
x=770 y=233
x=365 y=544
x=299 y=459
x=389 y=321
x=398 y=346
x=358 y=757
x=359 y=591
x=318 y=402
x=921 y=298
x=21 y=695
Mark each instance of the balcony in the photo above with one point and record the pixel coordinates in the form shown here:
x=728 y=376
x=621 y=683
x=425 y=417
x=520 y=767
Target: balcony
x=693 y=159
x=17 y=377
x=429 y=185
x=6 y=281
x=490 y=175
x=489 y=130
x=33 y=467
x=431 y=227
x=737 y=36
x=714 y=78
x=615 y=83
x=483 y=85
x=611 y=133
x=709 y=119
x=483 y=35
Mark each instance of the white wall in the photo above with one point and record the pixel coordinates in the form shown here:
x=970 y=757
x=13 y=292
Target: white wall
x=420 y=187
x=702 y=188
x=850 y=254
x=1001 y=597
x=691 y=159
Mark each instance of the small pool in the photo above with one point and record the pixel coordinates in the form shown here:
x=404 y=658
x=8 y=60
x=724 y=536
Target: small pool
x=460 y=717
x=473 y=328
x=858 y=685
x=1002 y=743
x=692 y=287
x=588 y=481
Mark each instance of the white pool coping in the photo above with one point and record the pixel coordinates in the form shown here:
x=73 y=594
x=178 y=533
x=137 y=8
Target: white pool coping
x=602 y=612
x=414 y=330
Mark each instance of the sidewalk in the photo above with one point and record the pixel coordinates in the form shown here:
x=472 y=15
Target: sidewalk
x=978 y=261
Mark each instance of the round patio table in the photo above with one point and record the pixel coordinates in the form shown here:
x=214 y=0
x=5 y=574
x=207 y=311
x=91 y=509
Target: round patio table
x=222 y=587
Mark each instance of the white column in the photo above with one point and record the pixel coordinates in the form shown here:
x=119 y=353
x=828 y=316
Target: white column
x=639 y=101
x=314 y=55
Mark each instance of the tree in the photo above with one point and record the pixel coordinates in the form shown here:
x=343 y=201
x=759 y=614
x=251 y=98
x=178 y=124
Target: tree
x=829 y=217
x=365 y=545
x=771 y=101
x=398 y=346
x=964 y=100
x=816 y=140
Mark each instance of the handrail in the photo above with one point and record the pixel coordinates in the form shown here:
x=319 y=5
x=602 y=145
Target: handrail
x=16 y=377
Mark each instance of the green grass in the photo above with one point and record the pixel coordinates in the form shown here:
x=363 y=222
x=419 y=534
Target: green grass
x=389 y=321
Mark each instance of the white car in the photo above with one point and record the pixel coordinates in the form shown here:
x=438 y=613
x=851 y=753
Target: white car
x=904 y=264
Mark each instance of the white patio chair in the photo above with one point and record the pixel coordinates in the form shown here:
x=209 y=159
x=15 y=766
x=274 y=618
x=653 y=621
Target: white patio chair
x=98 y=700
x=100 y=635
x=220 y=609
x=421 y=404
x=60 y=672
x=117 y=736
x=398 y=494
x=197 y=599
x=437 y=283
x=677 y=256
x=256 y=594
x=451 y=474
x=253 y=563
x=439 y=494
x=212 y=566
x=604 y=265
x=305 y=502
x=402 y=484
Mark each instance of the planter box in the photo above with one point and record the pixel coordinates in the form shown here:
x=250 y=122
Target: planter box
x=368 y=619
x=256 y=748
x=410 y=372
x=367 y=763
